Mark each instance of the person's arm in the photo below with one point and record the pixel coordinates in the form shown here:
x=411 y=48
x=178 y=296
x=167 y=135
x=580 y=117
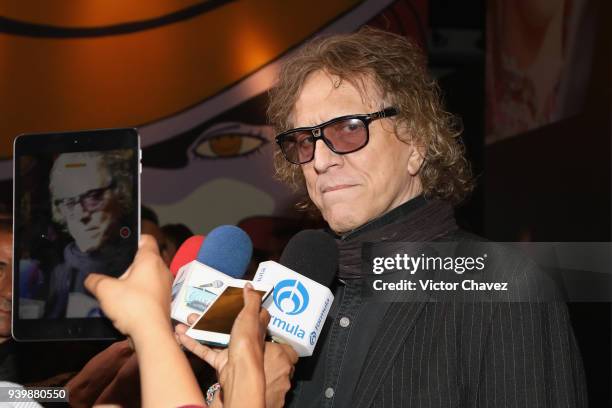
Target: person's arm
x=165 y=375
x=242 y=378
x=240 y=367
x=279 y=363
x=124 y=390
x=89 y=383
x=138 y=304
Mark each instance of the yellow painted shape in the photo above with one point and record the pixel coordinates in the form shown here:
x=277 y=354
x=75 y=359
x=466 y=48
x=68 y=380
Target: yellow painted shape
x=126 y=80
x=90 y=13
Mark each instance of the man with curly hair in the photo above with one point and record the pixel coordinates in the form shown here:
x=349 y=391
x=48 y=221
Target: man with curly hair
x=389 y=167
x=90 y=197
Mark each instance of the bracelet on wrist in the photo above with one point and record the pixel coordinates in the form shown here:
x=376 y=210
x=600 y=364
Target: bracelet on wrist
x=211 y=392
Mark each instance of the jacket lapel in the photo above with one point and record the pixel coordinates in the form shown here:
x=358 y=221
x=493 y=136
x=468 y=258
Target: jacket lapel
x=399 y=321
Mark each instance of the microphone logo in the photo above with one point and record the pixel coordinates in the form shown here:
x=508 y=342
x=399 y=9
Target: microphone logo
x=291 y=296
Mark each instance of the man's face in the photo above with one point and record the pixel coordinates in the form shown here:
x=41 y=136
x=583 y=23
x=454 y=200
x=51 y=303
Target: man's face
x=352 y=189
x=6 y=282
x=88 y=203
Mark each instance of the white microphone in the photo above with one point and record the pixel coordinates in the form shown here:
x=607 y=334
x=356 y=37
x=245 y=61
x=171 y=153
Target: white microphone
x=298 y=306
x=301 y=299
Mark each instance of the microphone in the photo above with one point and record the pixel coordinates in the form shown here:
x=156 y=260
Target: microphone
x=314 y=254
x=214 y=284
x=219 y=259
x=301 y=299
x=187 y=252
x=227 y=249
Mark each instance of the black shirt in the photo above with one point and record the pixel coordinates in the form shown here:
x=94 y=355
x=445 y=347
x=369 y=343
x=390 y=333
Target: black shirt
x=440 y=353
x=329 y=376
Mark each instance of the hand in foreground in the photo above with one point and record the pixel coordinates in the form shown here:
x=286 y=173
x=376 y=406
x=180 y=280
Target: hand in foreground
x=138 y=304
x=124 y=388
x=98 y=373
x=246 y=352
x=141 y=296
x=279 y=362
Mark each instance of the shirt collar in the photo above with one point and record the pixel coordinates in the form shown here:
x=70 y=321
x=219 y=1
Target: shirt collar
x=387 y=218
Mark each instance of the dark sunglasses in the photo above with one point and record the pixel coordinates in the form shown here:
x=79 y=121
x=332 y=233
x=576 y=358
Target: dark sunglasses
x=90 y=200
x=342 y=135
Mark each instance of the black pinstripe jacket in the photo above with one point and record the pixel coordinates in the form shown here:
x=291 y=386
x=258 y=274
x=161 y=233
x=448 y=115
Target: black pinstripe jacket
x=444 y=354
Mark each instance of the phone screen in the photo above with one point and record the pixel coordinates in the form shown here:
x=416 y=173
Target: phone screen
x=220 y=316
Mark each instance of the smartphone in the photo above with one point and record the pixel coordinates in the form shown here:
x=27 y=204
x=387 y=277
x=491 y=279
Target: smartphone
x=77 y=211
x=215 y=324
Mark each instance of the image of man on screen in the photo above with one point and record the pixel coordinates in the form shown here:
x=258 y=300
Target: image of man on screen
x=90 y=198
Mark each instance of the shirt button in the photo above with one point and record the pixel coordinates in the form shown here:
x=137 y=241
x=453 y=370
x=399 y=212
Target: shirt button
x=345 y=321
x=329 y=392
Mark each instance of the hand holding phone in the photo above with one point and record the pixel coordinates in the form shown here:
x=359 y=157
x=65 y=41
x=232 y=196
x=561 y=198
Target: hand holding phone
x=240 y=368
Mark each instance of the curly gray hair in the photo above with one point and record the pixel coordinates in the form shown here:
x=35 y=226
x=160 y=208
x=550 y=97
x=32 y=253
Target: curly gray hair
x=398 y=69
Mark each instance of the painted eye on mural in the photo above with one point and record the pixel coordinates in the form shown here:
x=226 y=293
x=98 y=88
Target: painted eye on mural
x=225 y=146
x=235 y=140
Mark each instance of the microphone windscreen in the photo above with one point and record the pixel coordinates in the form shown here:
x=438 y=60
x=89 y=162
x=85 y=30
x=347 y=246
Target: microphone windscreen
x=312 y=253
x=227 y=249
x=186 y=253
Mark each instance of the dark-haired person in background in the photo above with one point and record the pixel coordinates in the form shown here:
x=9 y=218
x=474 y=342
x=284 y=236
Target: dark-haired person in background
x=149 y=224
x=175 y=235
x=8 y=368
x=364 y=134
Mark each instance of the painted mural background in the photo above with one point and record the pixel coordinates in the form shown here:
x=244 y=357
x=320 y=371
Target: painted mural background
x=539 y=56
x=191 y=75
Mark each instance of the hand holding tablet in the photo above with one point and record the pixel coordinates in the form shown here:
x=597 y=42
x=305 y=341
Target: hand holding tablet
x=138 y=304
x=142 y=293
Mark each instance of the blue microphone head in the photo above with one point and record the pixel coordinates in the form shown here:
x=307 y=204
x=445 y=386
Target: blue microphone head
x=227 y=249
